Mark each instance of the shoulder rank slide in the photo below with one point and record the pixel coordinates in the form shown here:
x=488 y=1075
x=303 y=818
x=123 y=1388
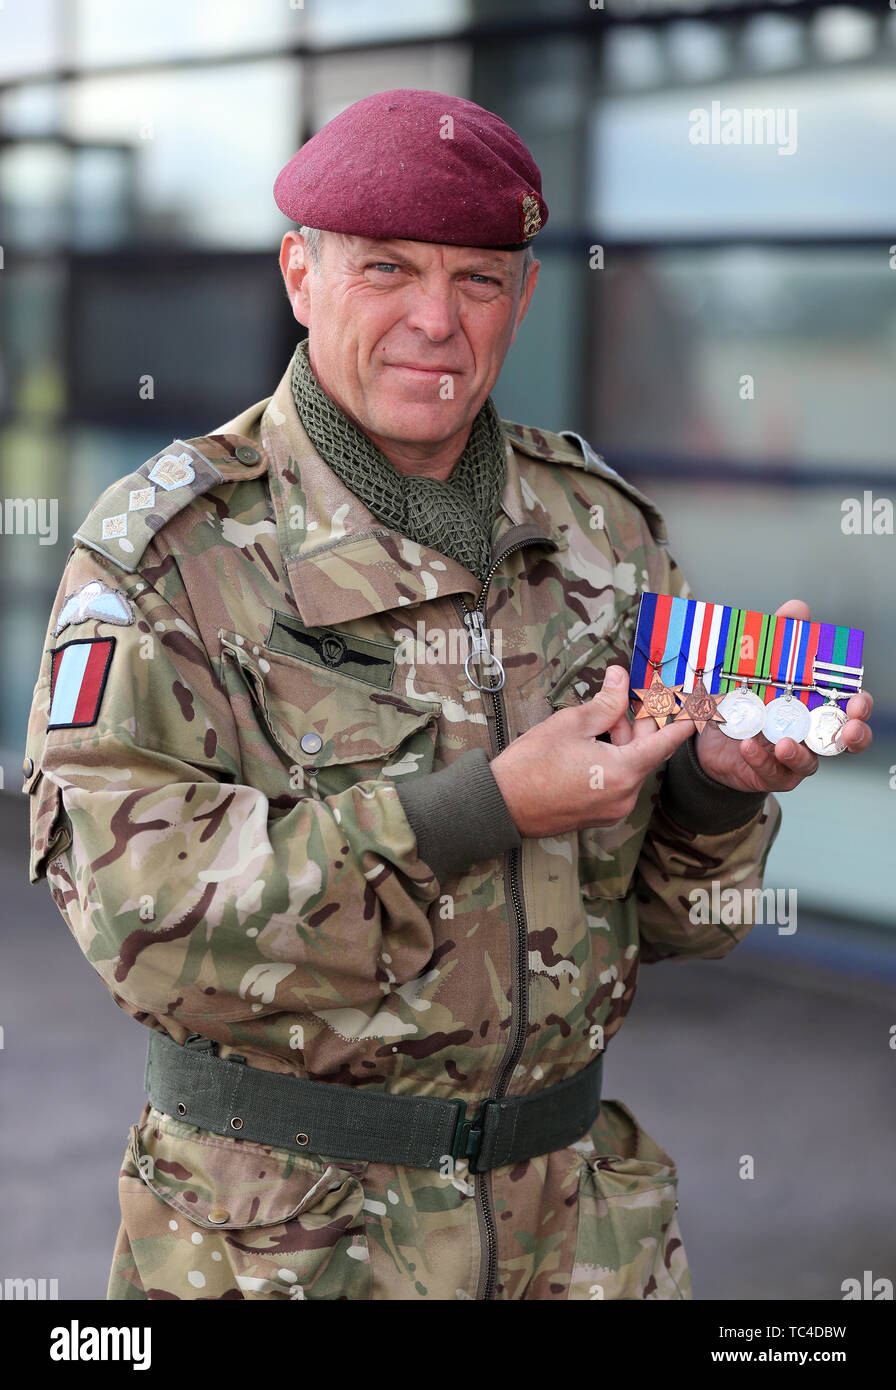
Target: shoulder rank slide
x=129 y=513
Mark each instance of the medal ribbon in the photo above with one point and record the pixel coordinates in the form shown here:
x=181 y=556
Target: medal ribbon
x=707 y=638
x=781 y=647
x=748 y=650
x=806 y=659
x=842 y=645
x=679 y=637
x=657 y=639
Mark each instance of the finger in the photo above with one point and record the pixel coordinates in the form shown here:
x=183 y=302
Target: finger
x=621 y=732
x=647 y=752
x=859 y=706
x=796 y=757
x=644 y=727
x=793 y=608
x=759 y=755
x=609 y=704
x=855 y=734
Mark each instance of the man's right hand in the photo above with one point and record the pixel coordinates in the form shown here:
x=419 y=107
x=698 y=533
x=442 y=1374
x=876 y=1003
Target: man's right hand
x=556 y=778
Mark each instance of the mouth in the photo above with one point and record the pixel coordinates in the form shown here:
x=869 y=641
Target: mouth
x=423 y=371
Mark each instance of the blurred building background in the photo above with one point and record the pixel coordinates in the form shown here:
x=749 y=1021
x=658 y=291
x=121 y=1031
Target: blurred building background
x=138 y=237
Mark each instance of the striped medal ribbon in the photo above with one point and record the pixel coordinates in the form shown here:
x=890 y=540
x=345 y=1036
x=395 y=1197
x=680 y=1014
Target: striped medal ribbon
x=657 y=646
x=794 y=645
x=709 y=662
x=747 y=658
x=836 y=673
x=704 y=637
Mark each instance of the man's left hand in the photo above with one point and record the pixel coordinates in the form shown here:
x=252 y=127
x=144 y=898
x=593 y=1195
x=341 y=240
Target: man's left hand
x=755 y=764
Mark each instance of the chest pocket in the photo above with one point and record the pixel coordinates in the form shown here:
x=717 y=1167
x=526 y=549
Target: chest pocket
x=584 y=663
x=308 y=729
x=607 y=855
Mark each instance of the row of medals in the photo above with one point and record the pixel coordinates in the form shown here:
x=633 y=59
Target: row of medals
x=742 y=713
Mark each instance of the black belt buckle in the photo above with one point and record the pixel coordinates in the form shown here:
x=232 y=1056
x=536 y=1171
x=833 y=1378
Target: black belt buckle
x=468 y=1133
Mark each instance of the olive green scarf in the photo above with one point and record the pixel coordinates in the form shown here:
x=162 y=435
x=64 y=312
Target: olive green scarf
x=454 y=517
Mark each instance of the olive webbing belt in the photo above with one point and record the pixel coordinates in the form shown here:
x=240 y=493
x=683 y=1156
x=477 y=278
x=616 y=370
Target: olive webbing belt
x=192 y=1083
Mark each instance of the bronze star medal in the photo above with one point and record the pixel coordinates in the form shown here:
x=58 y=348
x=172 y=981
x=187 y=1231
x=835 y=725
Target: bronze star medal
x=657 y=700
x=701 y=706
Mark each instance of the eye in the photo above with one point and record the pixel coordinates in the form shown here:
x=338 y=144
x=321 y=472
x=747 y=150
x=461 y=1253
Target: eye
x=483 y=279
x=386 y=266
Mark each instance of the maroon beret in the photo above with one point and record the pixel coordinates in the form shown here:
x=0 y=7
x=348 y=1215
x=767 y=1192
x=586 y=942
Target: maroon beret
x=417 y=166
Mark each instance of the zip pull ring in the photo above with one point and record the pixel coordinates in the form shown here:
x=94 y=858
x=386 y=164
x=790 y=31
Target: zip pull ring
x=481 y=651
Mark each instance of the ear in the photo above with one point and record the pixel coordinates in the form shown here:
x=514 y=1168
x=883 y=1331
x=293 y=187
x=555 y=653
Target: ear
x=295 y=268
x=526 y=297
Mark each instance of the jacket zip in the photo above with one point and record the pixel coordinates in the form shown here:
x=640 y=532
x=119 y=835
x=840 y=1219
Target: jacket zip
x=520 y=1005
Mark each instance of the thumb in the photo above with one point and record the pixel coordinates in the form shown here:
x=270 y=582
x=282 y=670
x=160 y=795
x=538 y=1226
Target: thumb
x=794 y=608
x=610 y=702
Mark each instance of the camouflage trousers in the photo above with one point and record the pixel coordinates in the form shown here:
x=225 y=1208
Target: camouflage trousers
x=208 y=1217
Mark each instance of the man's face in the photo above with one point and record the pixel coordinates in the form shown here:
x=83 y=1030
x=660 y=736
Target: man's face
x=407 y=337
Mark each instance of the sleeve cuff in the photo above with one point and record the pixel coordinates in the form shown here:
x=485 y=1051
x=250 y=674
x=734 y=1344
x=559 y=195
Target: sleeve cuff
x=458 y=814
x=697 y=802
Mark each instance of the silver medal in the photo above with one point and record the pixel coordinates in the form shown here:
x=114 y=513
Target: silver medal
x=743 y=712
x=825 y=723
x=786 y=717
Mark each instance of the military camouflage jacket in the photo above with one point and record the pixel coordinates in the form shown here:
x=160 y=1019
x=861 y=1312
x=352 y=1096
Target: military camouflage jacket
x=251 y=707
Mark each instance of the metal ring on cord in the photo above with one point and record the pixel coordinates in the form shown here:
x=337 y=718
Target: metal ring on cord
x=473 y=681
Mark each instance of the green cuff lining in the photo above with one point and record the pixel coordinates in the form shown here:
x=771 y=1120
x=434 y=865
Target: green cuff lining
x=458 y=815
x=697 y=802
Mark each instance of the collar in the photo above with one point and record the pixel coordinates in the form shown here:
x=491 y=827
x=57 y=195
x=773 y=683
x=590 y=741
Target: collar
x=341 y=560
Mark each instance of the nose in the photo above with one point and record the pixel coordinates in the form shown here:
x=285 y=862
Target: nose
x=433 y=309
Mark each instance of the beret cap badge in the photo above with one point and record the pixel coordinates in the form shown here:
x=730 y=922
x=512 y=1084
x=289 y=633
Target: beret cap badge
x=530 y=215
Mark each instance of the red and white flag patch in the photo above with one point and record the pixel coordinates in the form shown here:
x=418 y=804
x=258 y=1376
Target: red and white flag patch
x=77 y=681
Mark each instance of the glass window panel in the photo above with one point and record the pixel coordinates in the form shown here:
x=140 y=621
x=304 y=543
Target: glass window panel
x=649 y=179
x=841 y=35
x=36 y=538
x=29 y=36
x=35 y=189
x=696 y=50
x=107 y=31
x=341 y=79
x=773 y=41
x=214 y=333
x=633 y=58
x=675 y=333
x=351 y=21
x=32 y=109
x=31 y=367
x=207 y=146
x=102 y=197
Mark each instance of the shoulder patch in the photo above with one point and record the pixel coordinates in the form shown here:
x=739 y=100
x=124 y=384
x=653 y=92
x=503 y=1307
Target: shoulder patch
x=128 y=514
x=569 y=447
x=77 y=680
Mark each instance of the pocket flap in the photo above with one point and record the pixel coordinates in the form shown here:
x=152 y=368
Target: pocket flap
x=233 y=1184
x=355 y=721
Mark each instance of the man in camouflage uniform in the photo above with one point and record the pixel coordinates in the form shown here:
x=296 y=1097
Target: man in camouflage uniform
x=293 y=827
